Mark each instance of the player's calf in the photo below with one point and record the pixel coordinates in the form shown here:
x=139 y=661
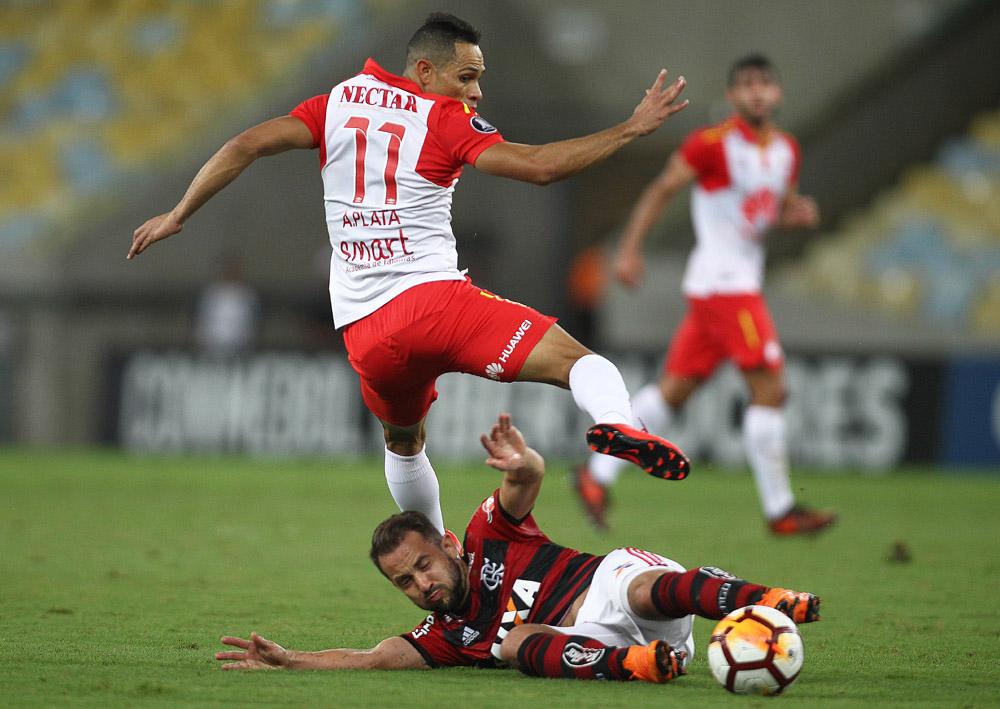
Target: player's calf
x=544 y=654
x=710 y=592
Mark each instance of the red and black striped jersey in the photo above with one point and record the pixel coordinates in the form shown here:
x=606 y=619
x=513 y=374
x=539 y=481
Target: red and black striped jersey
x=516 y=575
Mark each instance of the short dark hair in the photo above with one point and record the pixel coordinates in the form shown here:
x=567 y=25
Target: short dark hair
x=389 y=534
x=750 y=61
x=435 y=40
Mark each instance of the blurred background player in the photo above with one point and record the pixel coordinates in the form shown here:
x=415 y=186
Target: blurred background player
x=746 y=174
x=513 y=596
x=391 y=151
x=227 y=313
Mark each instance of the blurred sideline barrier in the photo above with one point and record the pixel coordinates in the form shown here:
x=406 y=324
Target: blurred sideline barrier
x=844 y=412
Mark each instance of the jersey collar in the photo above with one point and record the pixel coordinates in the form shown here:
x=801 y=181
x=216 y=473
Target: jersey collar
x=400 y=82
x=752 y=135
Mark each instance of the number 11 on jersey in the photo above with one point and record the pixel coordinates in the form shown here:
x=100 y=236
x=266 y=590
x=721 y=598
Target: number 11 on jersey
x=396 y=133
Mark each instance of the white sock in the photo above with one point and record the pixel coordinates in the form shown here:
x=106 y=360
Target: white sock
x=650 y=410
x=764 y=438
x=598 y=389
x=413 y=484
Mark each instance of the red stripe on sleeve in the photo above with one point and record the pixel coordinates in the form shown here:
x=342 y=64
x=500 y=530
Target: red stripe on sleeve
x=312 y=112
x=703 y=150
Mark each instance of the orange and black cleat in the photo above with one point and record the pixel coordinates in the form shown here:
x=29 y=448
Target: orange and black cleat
x=593 y=496
x=801 y=607
x=802 y=520
x=657 y=456
x=655 y=662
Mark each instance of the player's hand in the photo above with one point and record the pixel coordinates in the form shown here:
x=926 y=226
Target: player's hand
x=800 y=212
x=507 y=450
x=153 y=230
x=258 y=653
x=629 y=267
x=658 y=104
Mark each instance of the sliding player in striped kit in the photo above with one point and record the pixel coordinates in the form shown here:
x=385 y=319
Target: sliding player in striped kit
x=511 y=596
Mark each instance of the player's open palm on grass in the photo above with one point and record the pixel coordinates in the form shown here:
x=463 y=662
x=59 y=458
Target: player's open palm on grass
x=508 y=451
x=258 y=653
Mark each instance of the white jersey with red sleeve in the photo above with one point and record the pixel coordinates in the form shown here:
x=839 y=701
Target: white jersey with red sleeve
x=390 y=156
x=742 y=179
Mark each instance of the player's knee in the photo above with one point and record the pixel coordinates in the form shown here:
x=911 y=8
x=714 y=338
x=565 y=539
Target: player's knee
x=676 y=390
x=770 y=392
x=551 y=360
x=404 y=440
x=512 y=642
x=640 y=595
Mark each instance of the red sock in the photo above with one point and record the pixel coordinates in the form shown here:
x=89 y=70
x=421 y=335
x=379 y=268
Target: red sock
x=575 y=656
x=706 y=591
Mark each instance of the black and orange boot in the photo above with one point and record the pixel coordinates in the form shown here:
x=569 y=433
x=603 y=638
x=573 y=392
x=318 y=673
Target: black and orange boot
x=802 y=520
x=593 y=496
x=655 y=662
x=657 y=456
x=801 y=607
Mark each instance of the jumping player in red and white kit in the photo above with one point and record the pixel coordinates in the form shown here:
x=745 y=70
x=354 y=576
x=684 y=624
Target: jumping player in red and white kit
x=512 y=596
x=391 y=149
x=746 y=174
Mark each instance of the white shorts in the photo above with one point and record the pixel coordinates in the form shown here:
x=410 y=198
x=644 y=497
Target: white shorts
x=607 y=616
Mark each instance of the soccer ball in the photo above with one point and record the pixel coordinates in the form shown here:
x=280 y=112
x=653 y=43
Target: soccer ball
x=755 y=650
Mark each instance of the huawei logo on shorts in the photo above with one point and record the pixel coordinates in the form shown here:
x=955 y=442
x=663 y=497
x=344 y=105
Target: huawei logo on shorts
x=494 y=370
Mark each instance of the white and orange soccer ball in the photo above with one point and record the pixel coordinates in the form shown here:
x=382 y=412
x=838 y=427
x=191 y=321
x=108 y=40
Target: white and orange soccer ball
x=755 y=650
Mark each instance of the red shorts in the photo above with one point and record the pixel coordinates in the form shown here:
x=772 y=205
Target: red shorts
x=720 y=327
x=443 y=326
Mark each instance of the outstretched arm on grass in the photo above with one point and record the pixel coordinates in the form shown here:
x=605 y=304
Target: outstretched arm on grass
x=259 y=653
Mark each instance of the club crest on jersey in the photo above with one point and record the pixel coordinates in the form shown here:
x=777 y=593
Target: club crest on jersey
x=492 y=574
x=482 y=125
x=576 y=655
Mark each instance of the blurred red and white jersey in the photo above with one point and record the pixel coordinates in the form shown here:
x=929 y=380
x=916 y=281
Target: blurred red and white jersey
x=742 y=179
x=391 y=156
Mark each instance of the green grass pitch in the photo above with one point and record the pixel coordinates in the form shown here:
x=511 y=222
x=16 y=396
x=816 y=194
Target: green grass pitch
x=118 y=575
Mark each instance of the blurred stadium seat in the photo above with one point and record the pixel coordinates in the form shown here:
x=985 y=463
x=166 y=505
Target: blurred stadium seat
x=927 y=248
x=92 y=92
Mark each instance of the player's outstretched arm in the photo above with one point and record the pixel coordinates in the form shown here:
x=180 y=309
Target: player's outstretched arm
x=259 y=653
x=675 y=175
x=268 y=138
x=522 y=467
x=542 y=164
